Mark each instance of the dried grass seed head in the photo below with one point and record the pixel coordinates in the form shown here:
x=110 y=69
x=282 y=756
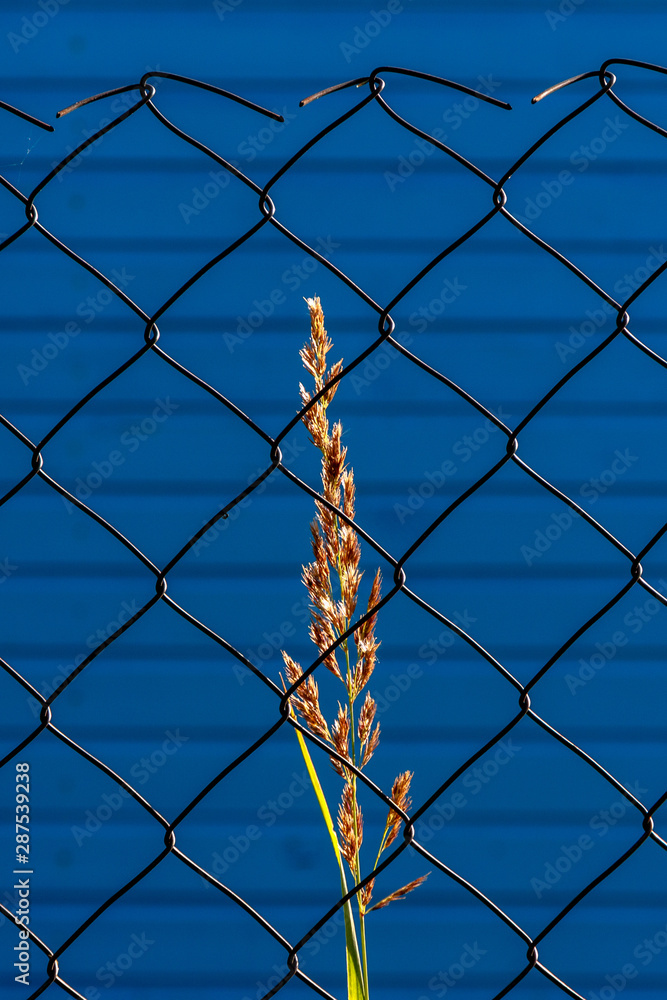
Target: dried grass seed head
x=351 y=833
x=399 y=893
x=400 y=795
x=306 y=699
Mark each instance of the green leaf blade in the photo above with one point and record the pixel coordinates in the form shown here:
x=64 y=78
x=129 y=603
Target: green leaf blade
x=356 y=988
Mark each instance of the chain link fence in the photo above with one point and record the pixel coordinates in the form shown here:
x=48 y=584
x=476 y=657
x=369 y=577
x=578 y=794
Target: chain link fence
x=387 y=348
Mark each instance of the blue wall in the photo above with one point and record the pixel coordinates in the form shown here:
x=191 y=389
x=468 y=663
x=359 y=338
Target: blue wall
x=531 y=823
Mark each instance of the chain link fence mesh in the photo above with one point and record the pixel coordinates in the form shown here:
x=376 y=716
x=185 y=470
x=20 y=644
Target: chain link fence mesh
x=395 y=563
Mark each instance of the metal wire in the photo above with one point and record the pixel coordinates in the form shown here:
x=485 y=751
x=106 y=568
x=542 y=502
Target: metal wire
x=275 y=466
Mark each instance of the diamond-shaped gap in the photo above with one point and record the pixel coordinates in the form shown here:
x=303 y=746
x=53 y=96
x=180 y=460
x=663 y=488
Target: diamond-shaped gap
x=243 y=332
x=53 y=551
x=471 y=319
x=368 y=212
x=169 y=709
x=509 y=843
x=607 y=690
x=260 y=832
x=95 y=197
x=142 y=437
x=564 y=191
x=616 y=937
x=502 y=554
x=594 y=441
x=64 y=332
x=388 y=685
x=89 y=839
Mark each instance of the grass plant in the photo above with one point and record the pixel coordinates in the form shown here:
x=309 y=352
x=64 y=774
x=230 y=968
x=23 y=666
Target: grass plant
x=333 y=581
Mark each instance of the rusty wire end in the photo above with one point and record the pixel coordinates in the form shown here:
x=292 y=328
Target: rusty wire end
x=359 y=82
x=96 y=97
x=563 y=83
